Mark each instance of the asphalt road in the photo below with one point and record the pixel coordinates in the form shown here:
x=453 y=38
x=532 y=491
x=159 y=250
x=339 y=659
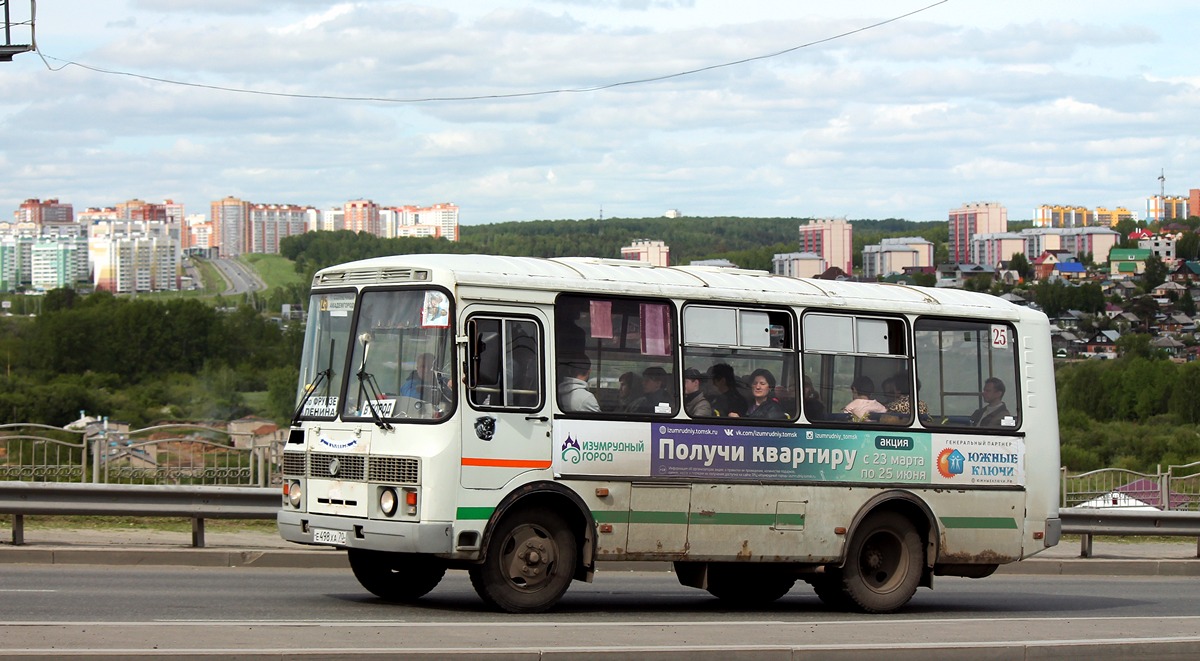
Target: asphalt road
x=267 y=613
x=238 y=276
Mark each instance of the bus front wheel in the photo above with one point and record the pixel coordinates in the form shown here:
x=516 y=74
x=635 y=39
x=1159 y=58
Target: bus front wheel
x=883 y=567
x=396 y=576
x=530 y=562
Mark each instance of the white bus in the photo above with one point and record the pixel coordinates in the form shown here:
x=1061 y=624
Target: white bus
x=524 y=418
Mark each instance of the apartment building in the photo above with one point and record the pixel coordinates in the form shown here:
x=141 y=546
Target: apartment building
x=1057 y=215
x=1095 y=241
x=270 y=223
x=657 y=253
x=971 y=219
x=798 y=264
x=230 y=217
x=49 y=212
x=893 y=255
x=1166 y=207
x=832 y=239
x=134 y=256
x=438 y=220
x=363 y=216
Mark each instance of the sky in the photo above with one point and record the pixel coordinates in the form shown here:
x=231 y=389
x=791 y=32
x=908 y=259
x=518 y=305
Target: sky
x=795 y=108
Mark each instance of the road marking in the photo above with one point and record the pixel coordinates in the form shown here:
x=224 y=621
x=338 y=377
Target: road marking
x=584 y=625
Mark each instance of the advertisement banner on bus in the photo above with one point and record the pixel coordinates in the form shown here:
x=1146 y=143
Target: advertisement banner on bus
x=720 y=452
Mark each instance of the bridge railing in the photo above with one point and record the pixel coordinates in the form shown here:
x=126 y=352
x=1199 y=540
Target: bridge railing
x=171 y=454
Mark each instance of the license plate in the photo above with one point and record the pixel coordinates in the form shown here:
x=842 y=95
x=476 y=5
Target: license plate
x=322 y=536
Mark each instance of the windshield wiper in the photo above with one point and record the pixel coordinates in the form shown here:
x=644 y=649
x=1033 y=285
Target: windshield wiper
x=321 y=376
x=324 y=375
x=367 y=383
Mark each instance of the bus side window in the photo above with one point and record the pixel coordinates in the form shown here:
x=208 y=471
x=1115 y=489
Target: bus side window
x=967 y=373
x=504 y=363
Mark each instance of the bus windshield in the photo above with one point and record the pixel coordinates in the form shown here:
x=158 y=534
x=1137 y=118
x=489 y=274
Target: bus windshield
x=325 y=341
x=402 y=362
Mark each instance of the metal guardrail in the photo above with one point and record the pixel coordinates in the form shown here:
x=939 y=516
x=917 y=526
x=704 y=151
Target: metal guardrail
x=1091 y=521
x=192 y=502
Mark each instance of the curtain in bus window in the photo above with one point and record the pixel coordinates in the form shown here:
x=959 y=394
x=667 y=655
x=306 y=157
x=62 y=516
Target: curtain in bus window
x=601 y=320
x=656 y=329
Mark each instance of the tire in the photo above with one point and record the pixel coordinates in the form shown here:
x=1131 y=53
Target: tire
x=530 y=562
x=831 y=590
x=401 y=577
x=748 y=585
x=883 y=567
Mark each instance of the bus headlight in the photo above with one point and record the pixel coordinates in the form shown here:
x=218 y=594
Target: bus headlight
x=295 y=494
x=388 y=501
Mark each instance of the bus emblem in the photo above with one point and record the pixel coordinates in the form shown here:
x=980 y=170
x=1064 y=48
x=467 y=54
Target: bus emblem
x=571 y=452
x=335 y=465
x=485 y=427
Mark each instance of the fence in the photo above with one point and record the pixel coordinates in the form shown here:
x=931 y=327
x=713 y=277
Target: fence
x=1177 y=489
x=172 y=454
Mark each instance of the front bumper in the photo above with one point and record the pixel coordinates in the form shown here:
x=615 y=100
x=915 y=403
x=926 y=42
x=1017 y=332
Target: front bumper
x=392 y=536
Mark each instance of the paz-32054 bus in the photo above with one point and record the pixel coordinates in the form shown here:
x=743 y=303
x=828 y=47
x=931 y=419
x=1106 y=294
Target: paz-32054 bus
x=523 y=419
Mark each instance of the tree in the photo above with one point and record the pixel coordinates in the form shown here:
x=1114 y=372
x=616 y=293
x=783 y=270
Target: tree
x=1021 y=265
x=1187 y=304
x=1188 y=246
x=1155 y=273
x=1137 y=345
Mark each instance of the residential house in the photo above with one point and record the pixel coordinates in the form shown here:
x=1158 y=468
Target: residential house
x=1170 y=345
x=1187 y=272
x=1103 y=344
x=1127 y=262
x=1169 y=287
x=1177 y=323
x=1045 y=263
x=1071 y=271
x=955 y=275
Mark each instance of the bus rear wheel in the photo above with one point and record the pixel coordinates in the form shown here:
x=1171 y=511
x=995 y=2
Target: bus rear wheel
x=883 y=567
x=530 y=562
x=748 y=585
x=398 y=577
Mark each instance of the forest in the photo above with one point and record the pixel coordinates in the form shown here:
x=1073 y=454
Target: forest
x=748 y=242
x=143 y=361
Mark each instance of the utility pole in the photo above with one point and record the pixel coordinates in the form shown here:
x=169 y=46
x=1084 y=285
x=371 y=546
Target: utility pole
x=8 y=49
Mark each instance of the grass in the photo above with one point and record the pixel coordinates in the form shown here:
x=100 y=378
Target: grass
x=170 y=524
x=275 y=270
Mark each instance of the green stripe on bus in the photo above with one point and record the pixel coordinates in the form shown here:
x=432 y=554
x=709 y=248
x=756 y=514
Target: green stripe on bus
x=735 y=519
x=658 y=517
x=988 y=522
x=475 y=513
x=605 y=516
x=684 y=518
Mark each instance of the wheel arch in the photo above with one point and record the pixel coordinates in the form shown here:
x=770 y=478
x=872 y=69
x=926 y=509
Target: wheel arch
x=912 y=507
x=564 y=501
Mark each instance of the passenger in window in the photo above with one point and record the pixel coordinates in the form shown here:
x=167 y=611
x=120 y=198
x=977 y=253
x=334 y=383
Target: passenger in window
x=629 y=390
x=654 y=397
x=993 y=411
x=727 y=400
x=901 y=402
x=765 y=405
x=862 y=404
x=814 y=408
x=573 y=393
x=694 y=401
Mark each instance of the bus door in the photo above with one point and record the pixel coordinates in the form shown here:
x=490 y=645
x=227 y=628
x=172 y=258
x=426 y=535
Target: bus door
x=506 y=424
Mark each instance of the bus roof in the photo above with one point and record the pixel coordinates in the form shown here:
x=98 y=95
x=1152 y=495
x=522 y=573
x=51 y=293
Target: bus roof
x=617 y=276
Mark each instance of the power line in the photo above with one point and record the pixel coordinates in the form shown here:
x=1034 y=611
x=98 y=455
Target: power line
x=482 y=97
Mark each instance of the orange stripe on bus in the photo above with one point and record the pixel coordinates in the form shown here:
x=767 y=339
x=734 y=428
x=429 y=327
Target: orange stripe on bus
x=505 y=463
